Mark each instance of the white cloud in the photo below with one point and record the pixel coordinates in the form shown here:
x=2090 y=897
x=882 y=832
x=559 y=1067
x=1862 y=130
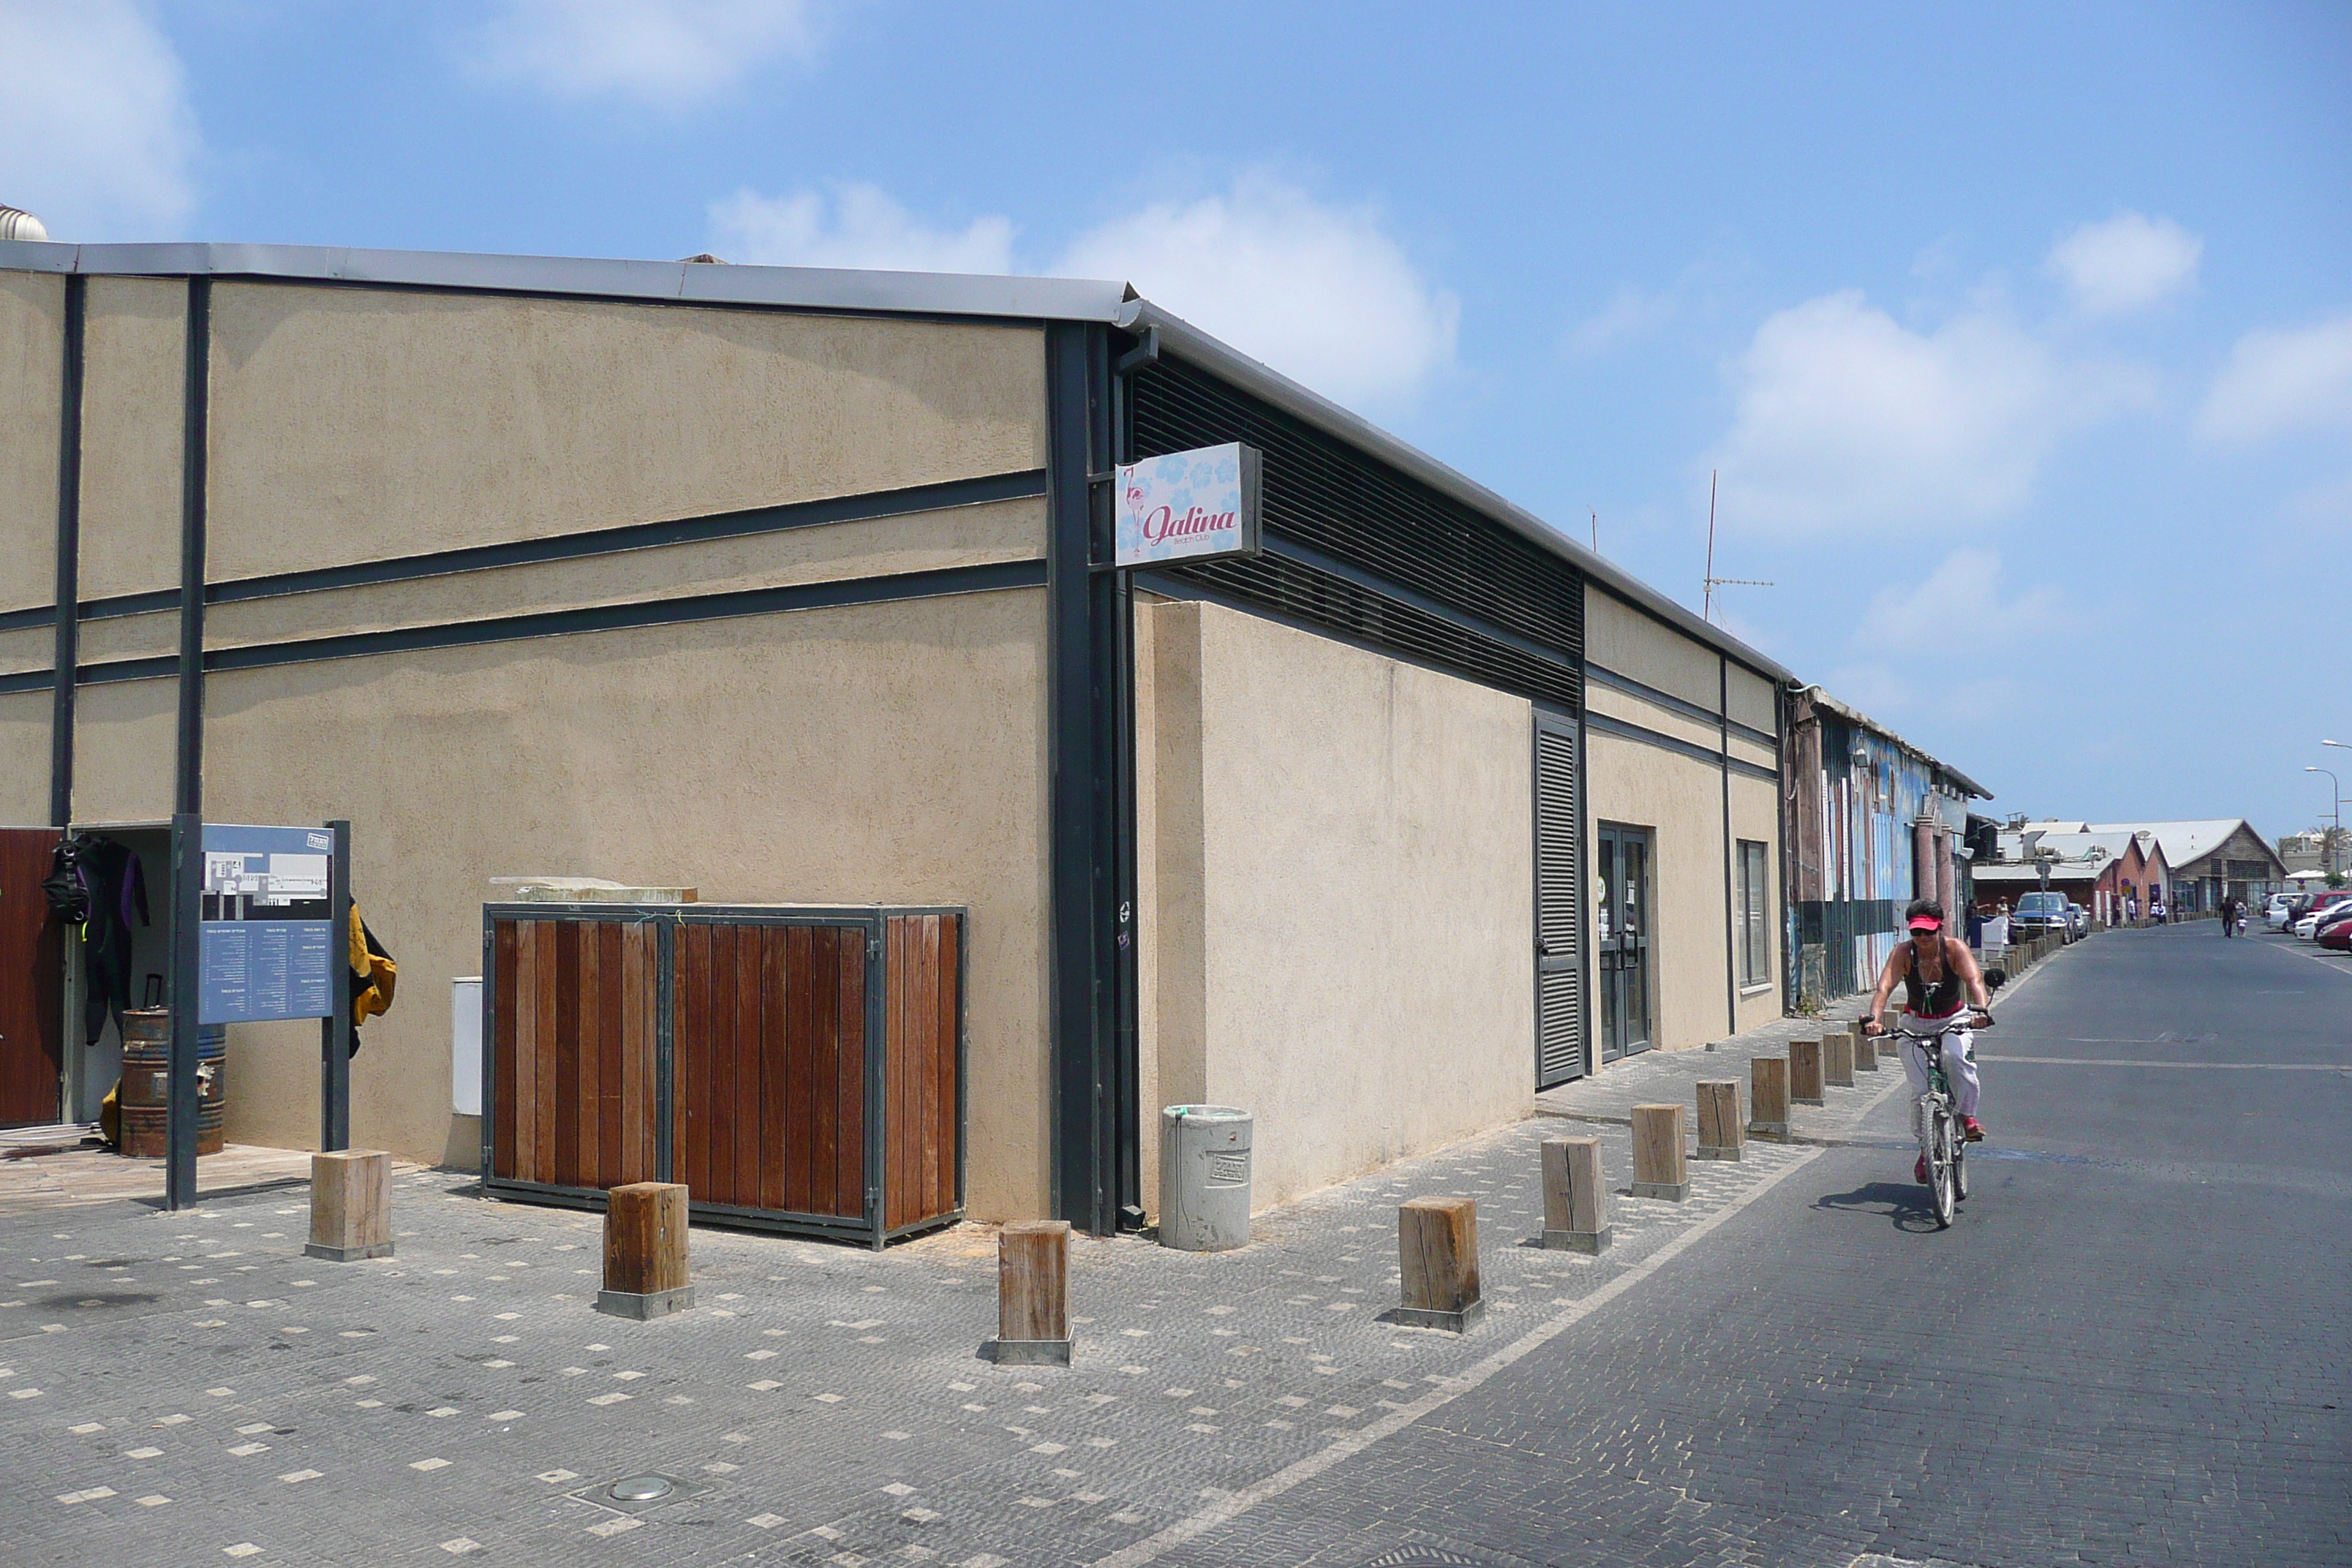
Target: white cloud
x=2128 y=263
x=1965 y=590
x=96 y=133
x=667 y=53
x=1630 y=313
x=2281 y=381
x=1845 y=419
x=1908 y=631
x=863 y=228
x=1318 y=291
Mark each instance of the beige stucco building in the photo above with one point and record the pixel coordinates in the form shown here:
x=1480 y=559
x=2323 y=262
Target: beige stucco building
x=786 y=585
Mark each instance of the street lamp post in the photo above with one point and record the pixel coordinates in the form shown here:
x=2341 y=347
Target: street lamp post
x=2335 y=795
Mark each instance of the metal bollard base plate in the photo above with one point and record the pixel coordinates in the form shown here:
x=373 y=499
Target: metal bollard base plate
x=1806 y=1100
x=1710 y=1152
x=1670 y=1192
x=1592 y=1242
x=346 y=1254
x=1778 y=1130
x=1031 y=1352
x=644 y=1305
x=1437 y=1318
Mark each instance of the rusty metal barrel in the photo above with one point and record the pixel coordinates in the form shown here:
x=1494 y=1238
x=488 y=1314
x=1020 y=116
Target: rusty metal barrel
x=146 y=1093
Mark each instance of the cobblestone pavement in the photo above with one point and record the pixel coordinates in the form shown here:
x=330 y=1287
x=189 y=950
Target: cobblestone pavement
x=2132 y=1348
x=181 y=1385
x=1747 y=1377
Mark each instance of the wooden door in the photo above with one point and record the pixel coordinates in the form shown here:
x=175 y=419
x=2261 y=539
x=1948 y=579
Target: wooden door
x=573 y=1036
x=32 y=982
x=769 y=1066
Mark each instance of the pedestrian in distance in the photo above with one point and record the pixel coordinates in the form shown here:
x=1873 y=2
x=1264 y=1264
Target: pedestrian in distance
x=2229 y=916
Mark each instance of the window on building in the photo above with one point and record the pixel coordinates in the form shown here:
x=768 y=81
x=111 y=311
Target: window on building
x=1754 y=916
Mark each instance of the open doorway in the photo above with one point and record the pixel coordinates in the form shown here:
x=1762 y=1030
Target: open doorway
x=63 y=988
x=122 y=960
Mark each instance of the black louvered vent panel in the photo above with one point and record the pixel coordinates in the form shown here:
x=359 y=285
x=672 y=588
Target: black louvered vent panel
x=1354 y=509
x=1560 y=908
x=1297 y=589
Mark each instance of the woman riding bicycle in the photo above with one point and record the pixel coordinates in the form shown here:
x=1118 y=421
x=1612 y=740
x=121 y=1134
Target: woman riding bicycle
x=1939 y=974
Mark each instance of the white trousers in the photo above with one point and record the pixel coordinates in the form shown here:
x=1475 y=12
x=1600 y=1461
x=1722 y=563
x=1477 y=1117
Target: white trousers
x=1959 y=1065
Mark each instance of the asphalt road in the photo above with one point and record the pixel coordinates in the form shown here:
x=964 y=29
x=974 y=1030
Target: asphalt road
x=2132 y=1348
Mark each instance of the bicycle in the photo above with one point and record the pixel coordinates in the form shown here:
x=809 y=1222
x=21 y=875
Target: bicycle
x=1938 y=1122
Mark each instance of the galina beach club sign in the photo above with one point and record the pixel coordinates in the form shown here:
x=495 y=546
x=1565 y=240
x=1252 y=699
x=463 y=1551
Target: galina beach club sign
x=1188 y=505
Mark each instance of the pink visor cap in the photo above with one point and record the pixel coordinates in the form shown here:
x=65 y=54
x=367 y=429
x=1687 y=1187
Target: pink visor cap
x=1925 y=922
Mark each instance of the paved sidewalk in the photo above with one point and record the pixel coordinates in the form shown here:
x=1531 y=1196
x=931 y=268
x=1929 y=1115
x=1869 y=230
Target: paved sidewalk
x=178 y=1386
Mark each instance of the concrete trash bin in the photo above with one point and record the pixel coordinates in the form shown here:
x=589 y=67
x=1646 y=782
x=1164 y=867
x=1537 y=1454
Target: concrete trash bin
x=1204 y=1177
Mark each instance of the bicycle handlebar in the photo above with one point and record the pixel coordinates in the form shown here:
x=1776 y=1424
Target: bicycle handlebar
x=1956 y=1022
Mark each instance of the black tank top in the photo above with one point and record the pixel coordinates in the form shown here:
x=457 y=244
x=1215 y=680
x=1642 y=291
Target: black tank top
x=1940 y=1000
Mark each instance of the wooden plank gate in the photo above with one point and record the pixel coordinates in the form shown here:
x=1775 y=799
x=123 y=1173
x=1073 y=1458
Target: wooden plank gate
x=799 y=1070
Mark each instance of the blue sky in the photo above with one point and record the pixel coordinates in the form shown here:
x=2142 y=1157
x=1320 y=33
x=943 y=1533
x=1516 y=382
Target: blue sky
x=2020 y=335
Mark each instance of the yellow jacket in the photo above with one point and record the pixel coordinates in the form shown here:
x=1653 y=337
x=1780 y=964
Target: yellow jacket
x=374 y=974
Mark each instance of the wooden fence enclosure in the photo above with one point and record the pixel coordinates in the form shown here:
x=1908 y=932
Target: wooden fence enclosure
x=796 y=1068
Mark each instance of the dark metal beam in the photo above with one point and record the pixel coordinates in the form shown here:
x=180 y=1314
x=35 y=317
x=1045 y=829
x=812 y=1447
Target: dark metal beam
x=1081 y=743
x=68 y=562
x=188 y=792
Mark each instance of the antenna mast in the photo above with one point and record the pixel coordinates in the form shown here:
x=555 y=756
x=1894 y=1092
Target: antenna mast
x=1706 y=584
x=1710 y=582
x=1596 y=529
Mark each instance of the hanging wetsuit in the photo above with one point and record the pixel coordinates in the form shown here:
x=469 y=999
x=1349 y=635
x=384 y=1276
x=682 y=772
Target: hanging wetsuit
x=118 y=893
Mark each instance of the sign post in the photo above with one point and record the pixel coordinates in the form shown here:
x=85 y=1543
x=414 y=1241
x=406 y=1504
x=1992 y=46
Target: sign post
x=260 y=932
x=335 y=1029
x=180 y=1104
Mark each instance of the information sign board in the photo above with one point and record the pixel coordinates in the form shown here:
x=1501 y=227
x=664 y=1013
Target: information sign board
x=1189 y=506
x=266 y=947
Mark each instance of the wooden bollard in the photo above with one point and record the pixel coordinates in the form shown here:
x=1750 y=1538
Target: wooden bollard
x=1033 y=1294
x=1722 y=1135
x=1768 y=1096
x=1805 y=1073
x=1437 y=1246
x=1576 y=1195
x=645 y=1251
x=1661 y=1167
x=351 y=1205
x=1887 y=1045
x=1865 y=1050
x=1837 y=1059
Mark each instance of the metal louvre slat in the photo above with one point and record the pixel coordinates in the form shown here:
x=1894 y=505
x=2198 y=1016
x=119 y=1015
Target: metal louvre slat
x=1354 y=510
x=1559 y=1037
x=1559 y=907
x=1297 y=589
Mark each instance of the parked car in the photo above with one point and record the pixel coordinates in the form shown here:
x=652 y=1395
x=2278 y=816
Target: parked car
x=2078 y=919
x=2332 y=921
x=2274 y=913
x=2041 y=914
x=2320 y=904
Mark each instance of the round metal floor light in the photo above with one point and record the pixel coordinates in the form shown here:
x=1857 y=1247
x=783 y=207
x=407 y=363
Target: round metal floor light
x=638 y=1488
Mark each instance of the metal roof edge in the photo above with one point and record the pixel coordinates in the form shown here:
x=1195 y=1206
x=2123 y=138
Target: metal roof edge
x=1189 y=342
x=1821 y=698
x=682 y=282
x=1042 y=299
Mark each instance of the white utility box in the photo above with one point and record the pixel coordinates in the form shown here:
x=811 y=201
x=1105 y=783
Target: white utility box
x=466 y=1045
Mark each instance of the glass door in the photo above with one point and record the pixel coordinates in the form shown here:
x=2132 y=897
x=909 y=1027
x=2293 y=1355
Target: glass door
x=1622 y=938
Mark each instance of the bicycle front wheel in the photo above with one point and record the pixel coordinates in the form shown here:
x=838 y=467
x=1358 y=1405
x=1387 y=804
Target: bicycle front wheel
x=1940 y=1168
